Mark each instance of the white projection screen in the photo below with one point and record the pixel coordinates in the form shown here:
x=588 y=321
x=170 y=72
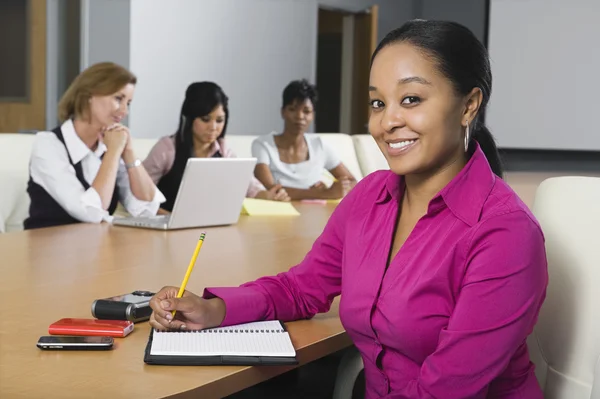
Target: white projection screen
x=546 y=70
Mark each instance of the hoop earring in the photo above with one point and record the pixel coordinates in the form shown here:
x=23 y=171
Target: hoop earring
x=467 y=137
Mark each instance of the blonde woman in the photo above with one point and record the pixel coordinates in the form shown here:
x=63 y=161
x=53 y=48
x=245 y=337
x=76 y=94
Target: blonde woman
x=81 y=170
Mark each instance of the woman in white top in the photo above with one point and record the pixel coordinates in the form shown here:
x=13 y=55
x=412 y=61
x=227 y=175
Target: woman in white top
x=298 y=160
x=83 y=168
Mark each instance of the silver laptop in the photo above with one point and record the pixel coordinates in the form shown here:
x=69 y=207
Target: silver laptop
x=211 y=193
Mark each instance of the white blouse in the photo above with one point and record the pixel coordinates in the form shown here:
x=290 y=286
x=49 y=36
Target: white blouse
x=301 y=175
x=51 y=169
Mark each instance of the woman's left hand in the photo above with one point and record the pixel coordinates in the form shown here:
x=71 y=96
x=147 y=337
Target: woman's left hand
x=129 y=145
x=275 y=193
x=118 y=126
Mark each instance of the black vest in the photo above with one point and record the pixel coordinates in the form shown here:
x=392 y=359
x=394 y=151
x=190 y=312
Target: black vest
x=44 y=211
x=169 y=183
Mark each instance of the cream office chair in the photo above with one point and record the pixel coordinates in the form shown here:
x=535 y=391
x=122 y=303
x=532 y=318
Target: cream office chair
x=344 y=146
x=142 y=147
x=241 y=145
x=15 y=150
x=368 y=153
x=565 y=345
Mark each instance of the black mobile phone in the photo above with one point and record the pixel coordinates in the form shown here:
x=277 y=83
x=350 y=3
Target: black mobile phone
x=57 y=342
x=133 y=306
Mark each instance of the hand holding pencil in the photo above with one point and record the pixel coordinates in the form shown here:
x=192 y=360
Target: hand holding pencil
x=176 y=308
x=188 y=273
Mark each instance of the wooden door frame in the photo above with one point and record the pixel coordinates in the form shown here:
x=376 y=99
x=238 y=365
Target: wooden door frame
x=365 y=43
x=353 y=96
x=374 y=11
x=30 y=113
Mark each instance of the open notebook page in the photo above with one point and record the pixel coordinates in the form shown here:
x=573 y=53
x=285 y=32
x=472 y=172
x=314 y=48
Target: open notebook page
x=265 y=338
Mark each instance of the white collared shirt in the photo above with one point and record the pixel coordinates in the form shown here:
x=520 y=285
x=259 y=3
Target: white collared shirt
x=50 y=168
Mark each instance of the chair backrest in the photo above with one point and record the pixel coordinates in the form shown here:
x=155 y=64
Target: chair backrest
x=568 y=329
x=15 y=150
x=343 y=145
x=368 y=153
x=142 y=147
x=241 y=145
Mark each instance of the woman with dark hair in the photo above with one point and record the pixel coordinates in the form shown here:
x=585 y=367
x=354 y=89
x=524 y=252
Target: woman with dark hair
x=441 y=267
x=201 y=134
x=298 y=160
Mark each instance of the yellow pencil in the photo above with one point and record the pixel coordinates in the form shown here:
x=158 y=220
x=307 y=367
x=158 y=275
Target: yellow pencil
x=190 y=268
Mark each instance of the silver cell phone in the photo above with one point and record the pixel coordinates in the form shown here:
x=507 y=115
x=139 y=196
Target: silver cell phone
x=56 y=342
x=133 y=306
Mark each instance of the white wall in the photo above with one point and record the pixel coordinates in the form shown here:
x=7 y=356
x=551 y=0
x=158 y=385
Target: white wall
x=105 y=31
x=545 y=63
x=251 y=48
x=470 y=13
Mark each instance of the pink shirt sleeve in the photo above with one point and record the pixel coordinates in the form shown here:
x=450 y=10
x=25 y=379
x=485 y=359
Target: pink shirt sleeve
x=501 y=294
x=305 y=290
x=255 y=185
x=254 y=188
x=160 y=159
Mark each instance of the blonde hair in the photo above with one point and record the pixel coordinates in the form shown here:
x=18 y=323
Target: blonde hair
x=102 y=79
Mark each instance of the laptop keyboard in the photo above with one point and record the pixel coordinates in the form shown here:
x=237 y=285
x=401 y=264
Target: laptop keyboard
x=152 y=219
x=158 y=220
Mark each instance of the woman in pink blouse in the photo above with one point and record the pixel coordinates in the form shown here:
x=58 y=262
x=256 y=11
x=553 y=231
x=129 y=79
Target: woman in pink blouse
x=441 y=267
x=201 y=133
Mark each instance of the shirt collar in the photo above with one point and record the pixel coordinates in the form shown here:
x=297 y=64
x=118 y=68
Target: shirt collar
x=394 y=186
x=464 y=195
x=215 y=147
x=75 y=146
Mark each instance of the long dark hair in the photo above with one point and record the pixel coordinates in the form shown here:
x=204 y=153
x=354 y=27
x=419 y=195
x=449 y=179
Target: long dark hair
x=201 y=98
x=463 y=59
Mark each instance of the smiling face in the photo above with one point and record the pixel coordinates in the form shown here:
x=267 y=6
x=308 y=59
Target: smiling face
x=417 y=118
x=108 y=110
x=209 y=127
x=298 y=116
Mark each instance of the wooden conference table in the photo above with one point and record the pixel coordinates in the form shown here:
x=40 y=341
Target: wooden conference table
x=52 y=273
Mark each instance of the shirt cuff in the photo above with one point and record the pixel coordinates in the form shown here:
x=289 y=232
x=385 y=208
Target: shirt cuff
x=242 y=304
x=158 y=197
x=254 y=188
x=92 y=204
x=138 y=207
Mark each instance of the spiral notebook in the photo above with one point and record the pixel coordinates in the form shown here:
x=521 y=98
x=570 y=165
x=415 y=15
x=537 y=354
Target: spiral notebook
x=259 y=343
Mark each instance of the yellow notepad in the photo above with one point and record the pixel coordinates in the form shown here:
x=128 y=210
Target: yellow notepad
x=254 y=207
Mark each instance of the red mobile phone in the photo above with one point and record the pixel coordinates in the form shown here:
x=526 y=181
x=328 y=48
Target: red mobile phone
x=111 y=328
